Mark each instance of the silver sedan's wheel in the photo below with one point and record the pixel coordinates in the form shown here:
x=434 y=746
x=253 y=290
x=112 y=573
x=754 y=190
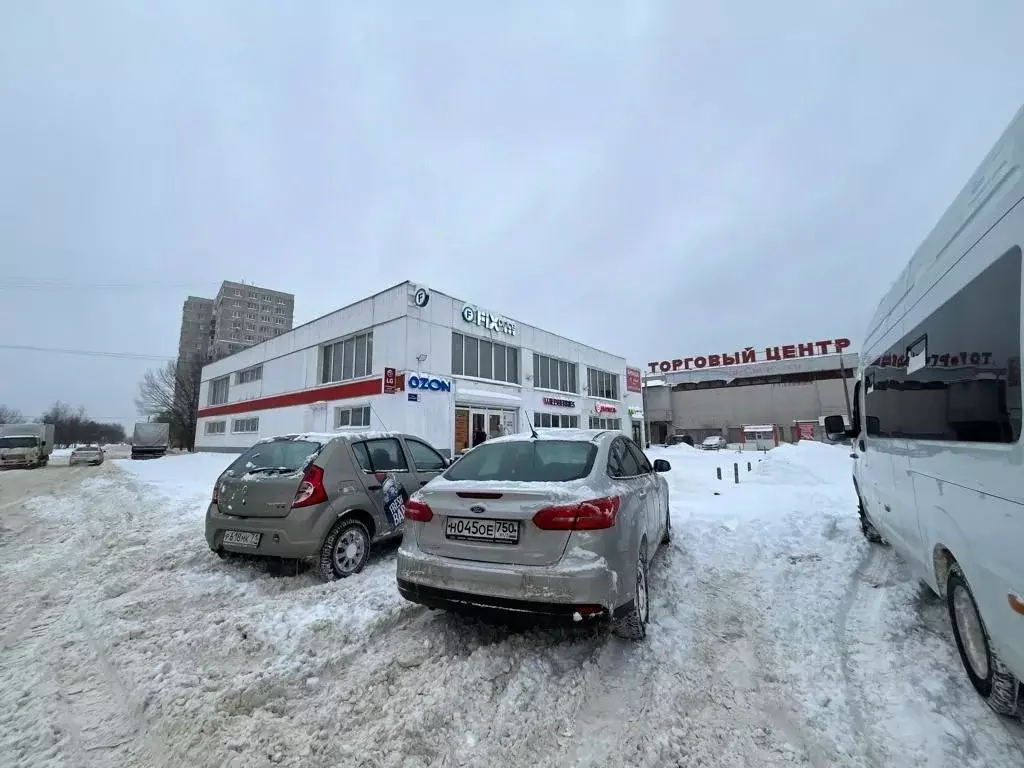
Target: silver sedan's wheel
x=633 y=625
x=345 y=551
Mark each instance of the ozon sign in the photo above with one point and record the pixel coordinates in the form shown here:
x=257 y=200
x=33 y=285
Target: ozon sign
x=476 y=316
x=431 y=384
x=749 y=355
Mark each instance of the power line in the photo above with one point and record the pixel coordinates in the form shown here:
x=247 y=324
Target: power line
x=87 y=353
x=42 y=284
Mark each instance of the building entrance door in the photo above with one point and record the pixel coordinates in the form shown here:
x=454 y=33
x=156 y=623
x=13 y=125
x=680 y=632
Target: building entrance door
x=638 y=434
x=475 y=425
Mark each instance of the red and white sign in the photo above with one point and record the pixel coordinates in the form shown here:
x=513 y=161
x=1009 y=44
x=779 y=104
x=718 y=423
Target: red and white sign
x=390 y=381
x=749 y=355
x=633 y=380
x=604 y=408
x=805 y=430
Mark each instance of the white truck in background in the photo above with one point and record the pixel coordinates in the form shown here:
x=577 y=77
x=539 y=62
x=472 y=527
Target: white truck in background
x=150 y=440
x=25 y=445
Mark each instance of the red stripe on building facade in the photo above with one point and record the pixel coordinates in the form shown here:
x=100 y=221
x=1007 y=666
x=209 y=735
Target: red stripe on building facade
x=363 y=388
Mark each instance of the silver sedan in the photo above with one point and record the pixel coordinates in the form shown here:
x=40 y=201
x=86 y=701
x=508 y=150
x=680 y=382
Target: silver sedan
x=86 y=454
x=560 y=522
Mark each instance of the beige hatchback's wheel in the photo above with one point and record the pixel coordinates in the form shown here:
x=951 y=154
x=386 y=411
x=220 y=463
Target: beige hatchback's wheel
x=345 y=550
x=989 y=676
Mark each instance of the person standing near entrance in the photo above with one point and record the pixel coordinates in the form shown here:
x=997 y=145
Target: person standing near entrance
x=479 y=436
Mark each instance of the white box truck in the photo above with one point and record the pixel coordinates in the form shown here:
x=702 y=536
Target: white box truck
x=150 y=440
x=25 y=445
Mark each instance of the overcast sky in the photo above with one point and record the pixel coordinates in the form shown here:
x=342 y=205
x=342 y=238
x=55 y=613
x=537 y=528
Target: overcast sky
x=658 y=179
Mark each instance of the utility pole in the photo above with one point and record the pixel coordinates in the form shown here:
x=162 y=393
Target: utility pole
x=647 y=417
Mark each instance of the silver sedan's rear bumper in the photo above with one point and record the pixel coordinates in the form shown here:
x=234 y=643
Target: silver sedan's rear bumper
x=442 y=582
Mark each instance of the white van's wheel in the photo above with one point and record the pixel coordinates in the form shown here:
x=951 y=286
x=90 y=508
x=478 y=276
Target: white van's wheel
x=989 y=676
x=866 y=526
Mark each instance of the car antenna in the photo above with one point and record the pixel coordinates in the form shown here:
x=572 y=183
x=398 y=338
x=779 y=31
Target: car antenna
x=529 y=423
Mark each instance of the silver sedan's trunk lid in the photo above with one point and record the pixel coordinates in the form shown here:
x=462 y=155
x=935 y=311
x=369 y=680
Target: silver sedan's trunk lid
x=493 y=521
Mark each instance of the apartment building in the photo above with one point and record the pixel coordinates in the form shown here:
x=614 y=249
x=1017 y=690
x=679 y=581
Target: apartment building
x=245 y=315
x=196 y=324
x=240 y=316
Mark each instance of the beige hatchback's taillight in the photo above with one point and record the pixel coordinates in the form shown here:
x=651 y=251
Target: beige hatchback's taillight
x=311 y=490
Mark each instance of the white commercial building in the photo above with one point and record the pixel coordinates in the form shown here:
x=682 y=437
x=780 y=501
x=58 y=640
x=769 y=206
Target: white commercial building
x=414 y=360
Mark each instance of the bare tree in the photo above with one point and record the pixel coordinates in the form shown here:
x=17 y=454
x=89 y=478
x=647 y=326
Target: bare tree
x=71 y=426
x=171 y=394
x=10 y=415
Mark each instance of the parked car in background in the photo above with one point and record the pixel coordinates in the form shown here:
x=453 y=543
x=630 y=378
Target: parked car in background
x=559 y=523
x=86 y=454
x=318 y=496
x=713 y=443
x=25 y=445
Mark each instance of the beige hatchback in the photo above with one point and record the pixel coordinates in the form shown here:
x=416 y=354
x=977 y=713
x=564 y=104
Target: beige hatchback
x=320 y=496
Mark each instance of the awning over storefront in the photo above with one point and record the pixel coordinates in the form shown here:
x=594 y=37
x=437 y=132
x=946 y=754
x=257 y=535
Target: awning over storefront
x=485 y=397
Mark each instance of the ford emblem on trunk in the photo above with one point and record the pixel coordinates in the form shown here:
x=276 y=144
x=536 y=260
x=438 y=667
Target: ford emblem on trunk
x=477 y=509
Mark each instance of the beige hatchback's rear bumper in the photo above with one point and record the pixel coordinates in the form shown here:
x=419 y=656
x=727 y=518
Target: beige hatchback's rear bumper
x=293 y=536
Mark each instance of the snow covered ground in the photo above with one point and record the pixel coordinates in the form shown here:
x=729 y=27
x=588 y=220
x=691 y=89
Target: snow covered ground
x=778 y=637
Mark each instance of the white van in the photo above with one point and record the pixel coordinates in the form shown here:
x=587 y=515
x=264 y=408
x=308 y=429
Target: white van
x=938 y=459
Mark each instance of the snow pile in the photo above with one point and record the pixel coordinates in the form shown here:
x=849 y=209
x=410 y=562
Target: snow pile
x=778 y=637
x=184 y=476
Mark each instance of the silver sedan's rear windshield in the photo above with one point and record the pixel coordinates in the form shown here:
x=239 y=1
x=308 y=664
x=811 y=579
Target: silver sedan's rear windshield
x=526 y=461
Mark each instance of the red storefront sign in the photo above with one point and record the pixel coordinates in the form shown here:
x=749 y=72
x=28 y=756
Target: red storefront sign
x=604 y=408
x=390 y=381
x=749 y=355
x=633 y=380
x=806 y=430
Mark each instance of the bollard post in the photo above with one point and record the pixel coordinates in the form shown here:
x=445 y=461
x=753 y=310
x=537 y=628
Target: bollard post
x=736 y=472
x=718 y=471
x=748 y=466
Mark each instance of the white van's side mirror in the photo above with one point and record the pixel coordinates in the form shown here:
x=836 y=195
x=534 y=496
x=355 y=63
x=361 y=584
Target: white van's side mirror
x=835 y=427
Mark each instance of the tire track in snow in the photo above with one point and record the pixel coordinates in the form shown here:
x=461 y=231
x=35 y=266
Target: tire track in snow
x=862 y=606
x=617 y=697
x=77 y=691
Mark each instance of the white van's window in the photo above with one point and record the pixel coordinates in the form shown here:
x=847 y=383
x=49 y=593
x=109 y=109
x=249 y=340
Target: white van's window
x=956 y=376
